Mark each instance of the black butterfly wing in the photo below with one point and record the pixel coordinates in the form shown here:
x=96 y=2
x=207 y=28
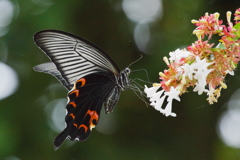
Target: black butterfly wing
x=83 y=109
x=84 y=69
x=72 y=56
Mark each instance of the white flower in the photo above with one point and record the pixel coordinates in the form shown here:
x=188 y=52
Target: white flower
x=172 y=94
x=202 y=66
x=158 y=104
x=154 y=97
x=201 y=73
x=178 y=54
x=188 y=70
x=168 y=110
x=200 y=88
x=229 y=72
x=150 y=91
x=157 y=99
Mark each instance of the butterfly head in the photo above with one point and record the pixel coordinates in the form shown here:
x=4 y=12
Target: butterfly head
x=127 y=71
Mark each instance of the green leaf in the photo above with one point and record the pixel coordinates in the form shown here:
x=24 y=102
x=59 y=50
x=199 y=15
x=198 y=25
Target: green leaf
x=220 y=46
x=237 y=26
x=238 y=33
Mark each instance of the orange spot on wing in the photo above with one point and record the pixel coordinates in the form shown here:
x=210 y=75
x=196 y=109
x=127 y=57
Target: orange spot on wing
x=72 y=115
x=75 y=91
x=75 y=125
x=93 y=116
x=82 y=80
x=83 y=126
x=73 y=104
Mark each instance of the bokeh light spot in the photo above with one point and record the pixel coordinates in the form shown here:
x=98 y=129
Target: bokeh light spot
x=7 y=12
x=141 y=36
x=142 y=10
x=228 y=127
x=8 y=81
x=56 y=114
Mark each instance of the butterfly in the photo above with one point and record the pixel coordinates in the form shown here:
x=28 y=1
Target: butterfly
x=88 y=73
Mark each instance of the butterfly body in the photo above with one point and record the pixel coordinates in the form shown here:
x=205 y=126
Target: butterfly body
x=88 y=73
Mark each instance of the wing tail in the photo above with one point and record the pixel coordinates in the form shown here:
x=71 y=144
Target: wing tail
x=72 y=132
x=60 y=138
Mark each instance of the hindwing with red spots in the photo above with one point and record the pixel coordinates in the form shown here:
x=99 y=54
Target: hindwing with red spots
x=83 y=109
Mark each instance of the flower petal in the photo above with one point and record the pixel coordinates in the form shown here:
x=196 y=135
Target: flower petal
x=150 y=91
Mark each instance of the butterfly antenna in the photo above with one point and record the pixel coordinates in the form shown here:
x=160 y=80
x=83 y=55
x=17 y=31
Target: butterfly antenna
x=140 y=94
x=148 y=81
x=135 y=61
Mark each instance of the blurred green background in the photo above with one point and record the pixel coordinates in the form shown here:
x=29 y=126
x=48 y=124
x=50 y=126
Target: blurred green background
x=32 y=104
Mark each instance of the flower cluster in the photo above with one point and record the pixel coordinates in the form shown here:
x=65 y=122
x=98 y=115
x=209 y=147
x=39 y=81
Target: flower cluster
x=203 y=65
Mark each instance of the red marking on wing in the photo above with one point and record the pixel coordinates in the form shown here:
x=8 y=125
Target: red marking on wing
x=72 y=115
x=82 y=80
x=93 y=116
x=75 y=125
x=83 y=126
x=75 y=91
x=73 y=104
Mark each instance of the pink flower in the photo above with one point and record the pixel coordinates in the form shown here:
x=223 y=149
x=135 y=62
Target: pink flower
x=237 y=16
x=203 y=65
